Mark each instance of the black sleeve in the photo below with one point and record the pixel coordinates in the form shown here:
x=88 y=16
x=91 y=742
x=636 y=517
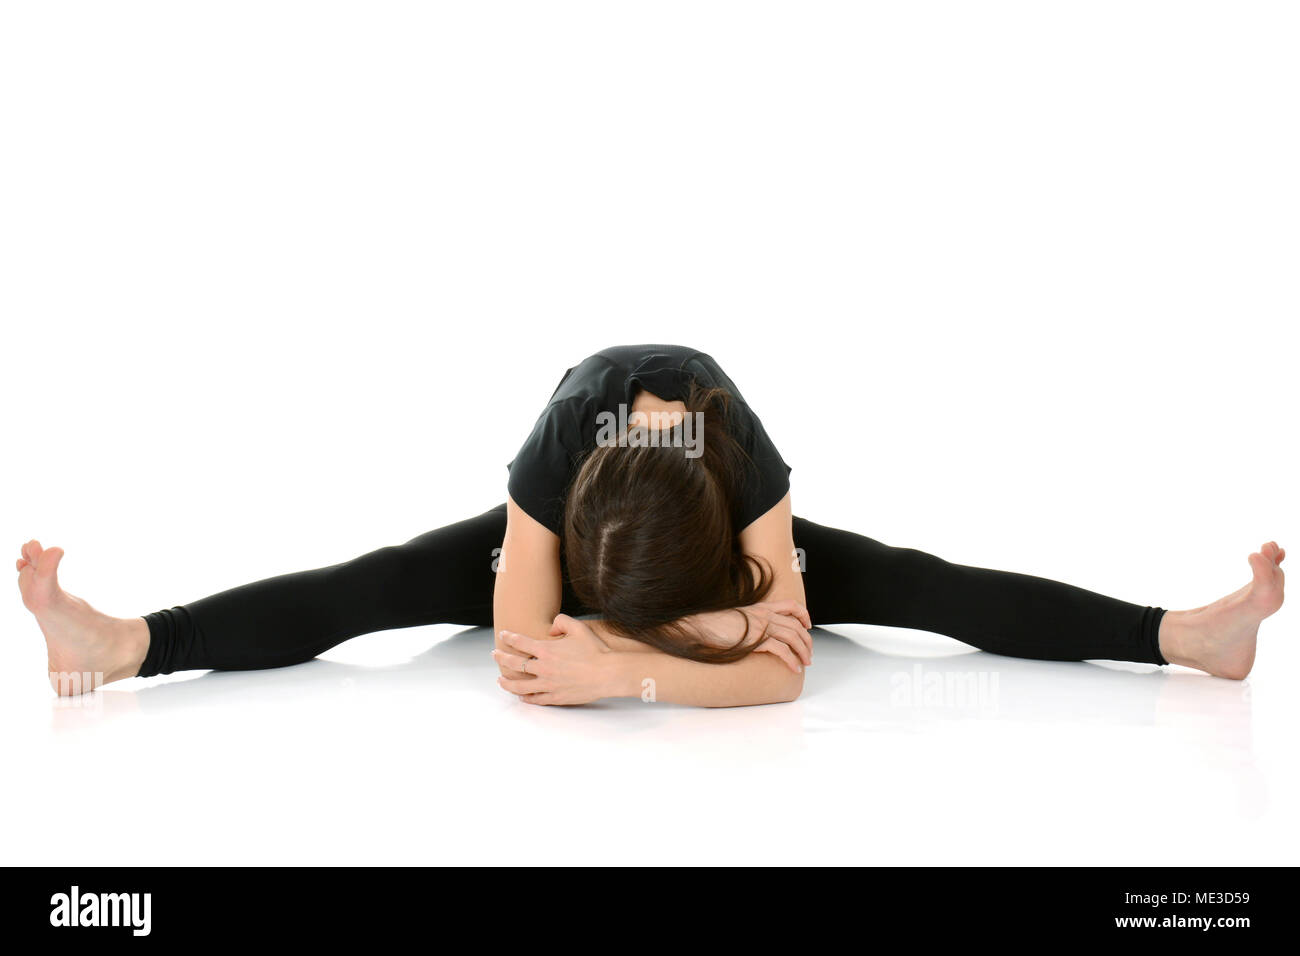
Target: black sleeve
x=767 y=478
x=539 y=474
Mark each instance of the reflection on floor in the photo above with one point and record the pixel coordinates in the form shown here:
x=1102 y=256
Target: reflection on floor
x=905 y=748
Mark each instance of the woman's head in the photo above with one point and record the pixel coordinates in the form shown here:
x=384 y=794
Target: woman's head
x=649 y=531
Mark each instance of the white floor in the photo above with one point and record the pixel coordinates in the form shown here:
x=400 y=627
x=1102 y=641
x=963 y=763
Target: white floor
x=906 y=748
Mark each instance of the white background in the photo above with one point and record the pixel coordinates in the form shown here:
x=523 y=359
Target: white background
x=1013 y=283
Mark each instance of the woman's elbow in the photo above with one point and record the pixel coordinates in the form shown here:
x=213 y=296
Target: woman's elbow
x=784 y=691
x=791 y=689
x=780 y=685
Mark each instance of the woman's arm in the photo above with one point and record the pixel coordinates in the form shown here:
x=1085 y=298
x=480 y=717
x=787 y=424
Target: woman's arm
x=597 y=663
x=771 y=538
x=592 y=662
x=756 y=679
x=527 y=594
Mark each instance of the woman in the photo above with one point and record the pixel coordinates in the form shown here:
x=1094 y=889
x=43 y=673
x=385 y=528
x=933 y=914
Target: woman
x=649 y=495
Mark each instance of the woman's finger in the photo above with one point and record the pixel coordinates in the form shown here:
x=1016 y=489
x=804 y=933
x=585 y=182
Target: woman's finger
x=535 y=685
x=522 y=644
x=792 y=608
x=514 y=674
x=789 y=630
x=782 y=650
x=563 y=624
x=512 y=662
x=779 y=630
x=797 y=610
x=805 y=638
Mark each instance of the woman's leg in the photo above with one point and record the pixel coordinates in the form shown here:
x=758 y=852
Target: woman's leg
x=850 y=578
x=442 y=576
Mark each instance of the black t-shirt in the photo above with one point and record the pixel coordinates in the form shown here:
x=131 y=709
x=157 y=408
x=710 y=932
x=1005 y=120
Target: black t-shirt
x=567 y=428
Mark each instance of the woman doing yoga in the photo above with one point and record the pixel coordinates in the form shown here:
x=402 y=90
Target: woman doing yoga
x=649 y=499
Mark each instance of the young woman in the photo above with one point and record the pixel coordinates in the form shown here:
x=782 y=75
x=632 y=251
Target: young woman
x=648 y=495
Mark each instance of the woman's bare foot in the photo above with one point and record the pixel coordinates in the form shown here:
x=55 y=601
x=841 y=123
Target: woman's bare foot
x=1220 y=637
x=86 y=647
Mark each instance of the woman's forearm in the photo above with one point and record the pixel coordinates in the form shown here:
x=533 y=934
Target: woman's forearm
x=637 y=670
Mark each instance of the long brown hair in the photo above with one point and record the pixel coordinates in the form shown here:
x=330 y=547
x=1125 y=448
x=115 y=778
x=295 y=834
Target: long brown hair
x=650 y=533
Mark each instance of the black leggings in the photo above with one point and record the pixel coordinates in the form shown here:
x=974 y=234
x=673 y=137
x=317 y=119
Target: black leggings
x=446 y=577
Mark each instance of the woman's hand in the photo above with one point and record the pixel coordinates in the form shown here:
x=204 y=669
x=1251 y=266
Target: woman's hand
x=787 y=624
x=575 y=669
